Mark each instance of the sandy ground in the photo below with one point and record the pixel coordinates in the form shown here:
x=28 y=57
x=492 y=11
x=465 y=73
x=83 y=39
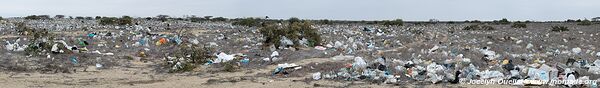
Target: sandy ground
x=139 y=76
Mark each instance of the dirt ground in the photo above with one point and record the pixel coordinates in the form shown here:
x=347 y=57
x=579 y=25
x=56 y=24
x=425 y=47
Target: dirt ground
x=140 y=77
x=125 y=69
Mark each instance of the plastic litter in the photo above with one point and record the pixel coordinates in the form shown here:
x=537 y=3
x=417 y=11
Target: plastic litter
x=342 y=57
x=595 y=69
x=74 y=60
x=576 y=50
x=491 y=75
x=275 y=54
x=359 y=63
x=490 y=55
x=537 y=74
x=529 y=46
x=99 y=65
x=223 y=57
x=433 y=49
x=316 y=76
x=320 y=48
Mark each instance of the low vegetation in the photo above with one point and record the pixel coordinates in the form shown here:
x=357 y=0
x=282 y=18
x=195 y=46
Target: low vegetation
x=37 y=17
x=294 y=30
x=585 y=22
x=397 y=22
x=559 y=28
x=478 y=27
x=125 y=20
x=250 y=22
x=519 y=25
x=504 y=21
x=187 y=57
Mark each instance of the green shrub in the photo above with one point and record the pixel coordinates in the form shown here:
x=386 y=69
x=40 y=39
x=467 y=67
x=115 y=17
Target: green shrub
x=230 y=66
x=397 y=22
x=585 y=22
x=163 y=18
x=325 y=21
x=559 y=28
x=195 y=19
x=59 y=16
x=519 y=25
x=504 y=21
x=294 y=31
x=108 y=21
x=251 y=22
x=219 y=19
x=293 y=20
x=479 y=27
x=125 y=20
x=79 y=18
x=198 y=53
x=37 y=17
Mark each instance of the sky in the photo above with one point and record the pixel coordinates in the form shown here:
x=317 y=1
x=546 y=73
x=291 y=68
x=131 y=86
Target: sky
x=414 y=10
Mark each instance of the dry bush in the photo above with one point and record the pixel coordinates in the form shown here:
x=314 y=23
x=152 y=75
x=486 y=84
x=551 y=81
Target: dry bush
x=585 y=22
x=397 y=22
x=478 y=27
x=294 y=31
x=559 y=28
x=189 y=56
x=519 y=25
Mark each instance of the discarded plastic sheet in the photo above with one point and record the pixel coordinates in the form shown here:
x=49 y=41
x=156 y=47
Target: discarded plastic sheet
x=223 y=57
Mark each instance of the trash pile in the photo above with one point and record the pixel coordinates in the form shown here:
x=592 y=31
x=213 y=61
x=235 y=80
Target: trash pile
x=433 y=53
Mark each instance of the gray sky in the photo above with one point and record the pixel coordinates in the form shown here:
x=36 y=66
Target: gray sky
x=315 y=9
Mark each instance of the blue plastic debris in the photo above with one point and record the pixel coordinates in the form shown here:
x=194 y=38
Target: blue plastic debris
x=245 y=60
x=209 y=62
x=74 y=60
x=91 y=35
x=142 y=41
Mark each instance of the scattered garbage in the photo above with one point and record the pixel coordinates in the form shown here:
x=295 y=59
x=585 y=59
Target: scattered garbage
x=576 y=50
x=74 y=60
x=412 y=53
x=223 y=57
x=286 y=68
x=595 y=68
x=320 y=48
x=316 y=76
x=359 y=63
x=99 y=65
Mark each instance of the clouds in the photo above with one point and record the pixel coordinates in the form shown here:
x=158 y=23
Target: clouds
x=316 y=9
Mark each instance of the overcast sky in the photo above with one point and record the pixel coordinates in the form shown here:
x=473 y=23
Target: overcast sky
x=315 y=9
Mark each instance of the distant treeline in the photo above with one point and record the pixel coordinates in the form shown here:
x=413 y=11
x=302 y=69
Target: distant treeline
x=256 y=21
